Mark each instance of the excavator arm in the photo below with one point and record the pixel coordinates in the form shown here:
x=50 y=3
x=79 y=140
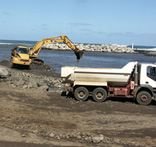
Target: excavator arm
x=34 y=51
x=71 y=45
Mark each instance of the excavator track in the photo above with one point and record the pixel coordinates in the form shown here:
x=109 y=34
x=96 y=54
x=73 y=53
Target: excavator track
x=37 y=61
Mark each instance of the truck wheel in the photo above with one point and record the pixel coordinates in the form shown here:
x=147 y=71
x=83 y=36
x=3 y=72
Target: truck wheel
x=99 y=94
x=81 y=93
x=144 y=98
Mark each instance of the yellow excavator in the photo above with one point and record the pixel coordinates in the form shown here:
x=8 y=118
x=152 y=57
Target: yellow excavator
x=23 y=56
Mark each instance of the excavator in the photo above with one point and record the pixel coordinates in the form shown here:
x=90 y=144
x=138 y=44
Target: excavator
x=22 y=55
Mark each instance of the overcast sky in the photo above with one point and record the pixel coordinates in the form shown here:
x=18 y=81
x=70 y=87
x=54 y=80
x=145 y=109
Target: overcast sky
x=83 y=21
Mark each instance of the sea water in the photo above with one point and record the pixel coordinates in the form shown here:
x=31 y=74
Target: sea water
x=56 y=59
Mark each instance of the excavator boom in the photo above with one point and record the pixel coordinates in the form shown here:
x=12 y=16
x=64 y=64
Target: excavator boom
x=34 y=51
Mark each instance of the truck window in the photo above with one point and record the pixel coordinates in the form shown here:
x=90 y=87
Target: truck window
x=151 y=72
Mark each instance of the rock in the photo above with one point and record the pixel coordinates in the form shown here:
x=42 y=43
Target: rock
x=20 y=82
x=30 y=85
x=67 y=136
x=97 y=139
x=79 y=137
x=57 y=137
x=23 y=135
x=4 y=72
x=52 y=135
x=25 y=87
x=40 y=83
x=44 y=88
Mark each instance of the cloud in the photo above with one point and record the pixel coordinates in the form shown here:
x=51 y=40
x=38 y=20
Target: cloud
x=6 y=13
x=131 y=35
x=122 y=35
x=81 y=1
x=80 y=24
x=45 y=28
x=148 y=35
x=44 y=24
x=87 y=30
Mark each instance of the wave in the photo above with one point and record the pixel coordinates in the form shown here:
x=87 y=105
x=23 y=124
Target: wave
x=15 y=43
x=146 y=49
x=5 y=43
x=152 y=49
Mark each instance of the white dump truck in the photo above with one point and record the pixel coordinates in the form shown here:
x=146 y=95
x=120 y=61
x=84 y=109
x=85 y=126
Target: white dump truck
x=134 y=80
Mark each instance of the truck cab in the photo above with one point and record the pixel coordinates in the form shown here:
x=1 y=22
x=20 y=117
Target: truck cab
x=146 y=83
x=148 y=75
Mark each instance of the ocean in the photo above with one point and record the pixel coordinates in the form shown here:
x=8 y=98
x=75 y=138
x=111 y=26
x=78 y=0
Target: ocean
x=56 y=59
x=17 y=42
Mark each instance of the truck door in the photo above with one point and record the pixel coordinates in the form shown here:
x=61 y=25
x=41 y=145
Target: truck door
x=151 y=76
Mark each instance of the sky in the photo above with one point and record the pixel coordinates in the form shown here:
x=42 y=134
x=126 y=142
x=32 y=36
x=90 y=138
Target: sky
x=83 y=21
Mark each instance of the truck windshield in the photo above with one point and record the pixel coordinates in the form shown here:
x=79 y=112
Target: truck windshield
x=22 y=50
x=151 y=72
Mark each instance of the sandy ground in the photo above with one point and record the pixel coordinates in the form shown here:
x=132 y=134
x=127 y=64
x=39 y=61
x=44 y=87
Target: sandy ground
x=51 y=119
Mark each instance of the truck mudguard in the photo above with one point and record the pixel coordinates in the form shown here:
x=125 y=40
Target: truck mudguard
x=148 y=88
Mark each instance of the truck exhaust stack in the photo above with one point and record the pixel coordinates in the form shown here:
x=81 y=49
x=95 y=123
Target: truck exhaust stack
x=136 y=75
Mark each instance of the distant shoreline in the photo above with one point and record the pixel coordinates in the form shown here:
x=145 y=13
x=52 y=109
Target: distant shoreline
x=102 y=48
x=146 y=52
x=92 y=48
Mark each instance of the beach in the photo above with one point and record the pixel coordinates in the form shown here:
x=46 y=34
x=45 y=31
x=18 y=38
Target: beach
x=31 y=114
x=35 y=110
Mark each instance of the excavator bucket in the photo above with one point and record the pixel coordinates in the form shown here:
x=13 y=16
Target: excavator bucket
x=79 y=54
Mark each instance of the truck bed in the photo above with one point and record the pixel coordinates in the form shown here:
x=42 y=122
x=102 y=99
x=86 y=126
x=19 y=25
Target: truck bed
x=97 y=76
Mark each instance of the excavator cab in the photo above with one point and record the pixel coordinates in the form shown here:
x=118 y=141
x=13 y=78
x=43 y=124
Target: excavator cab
x=19 y=56
x=22 y=50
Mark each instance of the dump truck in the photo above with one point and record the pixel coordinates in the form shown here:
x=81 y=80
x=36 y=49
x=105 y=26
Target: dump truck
x=134 y=80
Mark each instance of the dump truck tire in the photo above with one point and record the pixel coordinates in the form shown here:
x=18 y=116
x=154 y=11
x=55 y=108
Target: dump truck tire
x=81 y=93
x=99 y=94
x=144 y=98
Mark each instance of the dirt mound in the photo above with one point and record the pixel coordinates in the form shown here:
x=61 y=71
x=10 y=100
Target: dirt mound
x=38 y=77
x=5 y=63
x=33 y=66
x=41 y=67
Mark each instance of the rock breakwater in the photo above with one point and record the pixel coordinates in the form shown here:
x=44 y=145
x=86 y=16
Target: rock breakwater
x=92 y=47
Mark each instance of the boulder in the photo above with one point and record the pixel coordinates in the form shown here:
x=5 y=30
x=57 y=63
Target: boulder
x=98 y=139
x=4 y=72
x=43 y=88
